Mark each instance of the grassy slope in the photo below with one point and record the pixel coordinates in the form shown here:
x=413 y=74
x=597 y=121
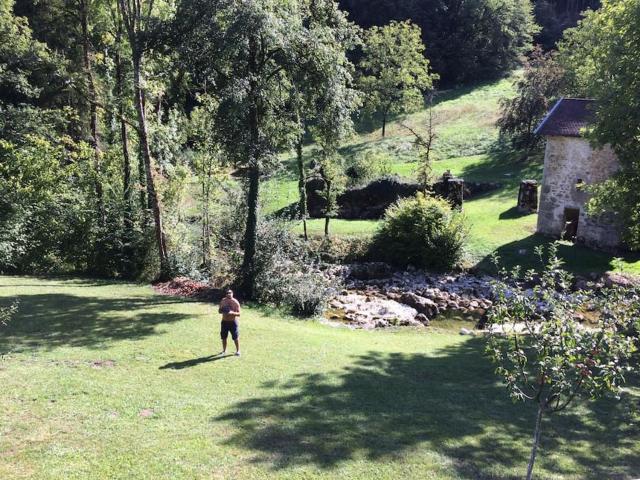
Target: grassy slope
x=465 y=125
x=305 y=401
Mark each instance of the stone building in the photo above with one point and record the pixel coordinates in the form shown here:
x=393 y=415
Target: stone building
x=570 y=163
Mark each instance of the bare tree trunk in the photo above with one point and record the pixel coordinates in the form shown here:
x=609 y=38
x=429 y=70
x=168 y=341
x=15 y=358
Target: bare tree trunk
x=206 y=223
x=384 y=123
x=302 y=187
x=329 y=208
x=253 y=194
x=536 y=441
x=93 y=109
x=250 y=237
x=126 y=157
x=146 y=157
x=142 y=183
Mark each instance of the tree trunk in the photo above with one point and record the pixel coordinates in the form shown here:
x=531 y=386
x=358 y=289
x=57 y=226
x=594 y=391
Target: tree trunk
x=250 y=236
x=253 y=194
x=302 y=187
x=206 y=224
x=536 y=440
x=146 y=157
x=126 y=157
x=384 y=123
x=93 y=109
x=329 y=208
x=142 y=183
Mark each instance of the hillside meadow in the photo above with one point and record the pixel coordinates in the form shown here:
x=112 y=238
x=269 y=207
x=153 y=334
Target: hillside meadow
x=467 y=145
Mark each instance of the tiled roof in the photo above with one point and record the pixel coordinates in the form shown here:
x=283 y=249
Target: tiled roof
x=567 y=117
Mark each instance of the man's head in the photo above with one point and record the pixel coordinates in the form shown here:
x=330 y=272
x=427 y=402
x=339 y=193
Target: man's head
x=228 y=293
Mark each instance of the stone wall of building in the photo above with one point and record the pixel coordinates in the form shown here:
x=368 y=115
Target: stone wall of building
x=570 y=163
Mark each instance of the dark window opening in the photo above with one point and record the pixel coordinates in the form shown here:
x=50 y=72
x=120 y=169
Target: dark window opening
x=571 y=217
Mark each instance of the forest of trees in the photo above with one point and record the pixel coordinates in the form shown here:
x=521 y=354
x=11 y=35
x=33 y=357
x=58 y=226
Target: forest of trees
x=461 y=36
x=135 y=135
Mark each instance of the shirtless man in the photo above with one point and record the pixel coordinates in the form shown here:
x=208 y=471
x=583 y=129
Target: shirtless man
x=230 y=310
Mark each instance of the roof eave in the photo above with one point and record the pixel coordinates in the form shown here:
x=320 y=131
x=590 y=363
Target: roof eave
x=538 y=130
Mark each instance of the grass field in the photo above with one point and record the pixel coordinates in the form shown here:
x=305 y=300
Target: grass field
x=467 y=144
x=106 y=380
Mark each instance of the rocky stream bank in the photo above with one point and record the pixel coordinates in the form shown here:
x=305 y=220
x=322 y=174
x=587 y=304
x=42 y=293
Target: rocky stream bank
x=375 y=296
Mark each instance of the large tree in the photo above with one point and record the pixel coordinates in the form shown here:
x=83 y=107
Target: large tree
x=138 y=18
x=536 y=91
x=323 y=94
x=601 y=58
x=250 y=54
x=395 y=72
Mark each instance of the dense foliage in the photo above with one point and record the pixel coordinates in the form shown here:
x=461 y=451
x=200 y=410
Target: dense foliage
x=266 y=62
x=421 y=231
x=545 y=351
x=368 y=166
x=536 y=92
x=395 y=73
x=287 y=272
x=601 y=59
x=466 y=41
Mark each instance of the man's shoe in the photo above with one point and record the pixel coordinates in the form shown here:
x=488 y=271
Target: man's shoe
x=238 y=353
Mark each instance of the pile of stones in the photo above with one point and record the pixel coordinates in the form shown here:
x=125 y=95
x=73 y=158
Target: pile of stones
x=376 y=297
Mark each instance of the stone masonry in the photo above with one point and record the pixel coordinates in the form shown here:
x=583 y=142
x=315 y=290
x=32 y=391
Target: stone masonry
x=570 y=163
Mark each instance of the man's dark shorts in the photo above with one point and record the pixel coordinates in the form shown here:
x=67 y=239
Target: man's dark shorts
x=227 y=327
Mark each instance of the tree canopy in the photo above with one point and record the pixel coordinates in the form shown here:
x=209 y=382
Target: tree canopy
x=467 y=41
x=395 y=72
x=601 y=59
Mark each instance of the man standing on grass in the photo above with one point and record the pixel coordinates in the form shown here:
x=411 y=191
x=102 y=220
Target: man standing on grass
x=230 y=310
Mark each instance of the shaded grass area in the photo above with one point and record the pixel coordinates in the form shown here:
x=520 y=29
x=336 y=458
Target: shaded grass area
x=87 y=394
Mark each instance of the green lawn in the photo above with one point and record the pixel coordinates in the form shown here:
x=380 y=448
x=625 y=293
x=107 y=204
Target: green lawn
x=467 y=145
x=90 y=359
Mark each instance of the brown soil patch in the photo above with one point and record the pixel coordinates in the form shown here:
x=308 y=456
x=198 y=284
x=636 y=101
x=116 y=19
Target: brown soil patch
x=185 y=287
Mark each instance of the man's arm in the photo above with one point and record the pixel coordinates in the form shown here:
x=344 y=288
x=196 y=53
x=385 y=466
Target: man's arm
x=220 y=308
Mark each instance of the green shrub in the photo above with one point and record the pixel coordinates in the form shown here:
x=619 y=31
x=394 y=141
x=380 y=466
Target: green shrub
x=6 y=313
x=367 y=166
x=287 y=274
x=340 y=250
x=421 y=231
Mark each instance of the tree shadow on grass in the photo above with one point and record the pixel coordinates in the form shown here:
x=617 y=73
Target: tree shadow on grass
x=51 y=320
x=513 y=213
x=388 y=405
x=505 y=166
x=578 y=259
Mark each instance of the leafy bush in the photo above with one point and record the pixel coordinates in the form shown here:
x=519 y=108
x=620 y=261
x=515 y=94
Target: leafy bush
x=421 y=231
x=286 y=274
x=338 y=249
x=367 y=166
x=6 y=313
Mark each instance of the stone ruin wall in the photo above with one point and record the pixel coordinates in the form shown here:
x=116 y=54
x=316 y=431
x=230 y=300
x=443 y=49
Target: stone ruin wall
x=566 y=160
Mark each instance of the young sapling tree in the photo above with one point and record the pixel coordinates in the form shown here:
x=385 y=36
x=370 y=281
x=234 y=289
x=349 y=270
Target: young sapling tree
x=544 y=353
x=424 y=144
